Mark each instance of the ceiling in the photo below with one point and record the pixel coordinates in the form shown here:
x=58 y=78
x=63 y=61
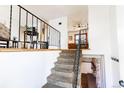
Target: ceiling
x=76 y=13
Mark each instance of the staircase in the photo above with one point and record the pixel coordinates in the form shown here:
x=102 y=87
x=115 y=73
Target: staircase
x=62 y=73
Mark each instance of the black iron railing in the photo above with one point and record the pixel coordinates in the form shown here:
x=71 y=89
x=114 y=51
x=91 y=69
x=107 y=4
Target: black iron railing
x=77 y=63
x=81 y=43
x=46 y=34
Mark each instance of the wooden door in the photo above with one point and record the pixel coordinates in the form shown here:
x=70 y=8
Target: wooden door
x=84 y=82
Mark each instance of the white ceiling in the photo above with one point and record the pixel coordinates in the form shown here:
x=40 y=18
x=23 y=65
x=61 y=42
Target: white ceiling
x=76 y=13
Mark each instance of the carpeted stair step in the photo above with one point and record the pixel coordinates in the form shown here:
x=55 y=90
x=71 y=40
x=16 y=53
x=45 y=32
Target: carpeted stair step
x=65 y=59
x=65 y=55
x=60 y=80
x=62 y=73
x=66 y=72
x=48 y=85
x=68 y=51
x=86 y=59
x=64 y=64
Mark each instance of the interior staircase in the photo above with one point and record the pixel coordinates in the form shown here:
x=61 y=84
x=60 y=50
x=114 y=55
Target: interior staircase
x=62 y=73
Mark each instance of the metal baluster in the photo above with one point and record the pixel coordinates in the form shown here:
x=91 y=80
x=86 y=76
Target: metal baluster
x=49 y=36
x=19 y=21
x=40 y=35
x=32 y=41
x=10 y=26
x=37 y=34
x=19 y=25
x=26 y=29
x=60 y=40
x=55 y=38
x=44 y=33
x=52 y=37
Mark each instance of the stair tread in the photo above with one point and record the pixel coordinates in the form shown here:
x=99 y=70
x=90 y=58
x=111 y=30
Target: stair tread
x=63 y=59
x=57 y=78
x=64 y=63
x=70 y=57
x=68 y=51
x=64 y=66
x=66 y=58
x=86 y=59
x=65 y=70
x=49 y=85
x=67 y=55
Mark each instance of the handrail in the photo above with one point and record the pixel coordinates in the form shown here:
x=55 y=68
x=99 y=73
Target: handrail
x=37 y=17
x=47 y=33
x=77 y=63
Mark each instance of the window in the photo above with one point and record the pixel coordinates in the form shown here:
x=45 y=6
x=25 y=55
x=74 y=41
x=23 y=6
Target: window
x=70 y=38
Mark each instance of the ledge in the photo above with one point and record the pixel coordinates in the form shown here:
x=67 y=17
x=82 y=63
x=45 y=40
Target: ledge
x=30 y=50
x=25 y=50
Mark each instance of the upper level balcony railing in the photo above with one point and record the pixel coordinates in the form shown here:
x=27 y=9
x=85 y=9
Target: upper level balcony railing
x=26 y=30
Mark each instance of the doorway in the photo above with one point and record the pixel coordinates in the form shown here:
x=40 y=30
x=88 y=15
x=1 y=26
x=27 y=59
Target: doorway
x=88 y=80
x=92 y=73
x=74 y=38
x=88 y=74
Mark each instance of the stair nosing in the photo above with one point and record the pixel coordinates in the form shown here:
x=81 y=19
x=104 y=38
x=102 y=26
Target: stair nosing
x=52 y=85
x=60 y=79
x=61 y=70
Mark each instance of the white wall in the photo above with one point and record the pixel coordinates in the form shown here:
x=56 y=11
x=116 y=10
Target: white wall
x=113 y=30
x=99 y=36
x=72 y=33
x=62 y=28
x=114 y=46
x=86 y=68
x=26 y=69
x=120 y=31
x=115 y=74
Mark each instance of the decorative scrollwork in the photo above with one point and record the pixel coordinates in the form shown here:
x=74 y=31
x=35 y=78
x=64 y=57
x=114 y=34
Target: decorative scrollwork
x=121 y=82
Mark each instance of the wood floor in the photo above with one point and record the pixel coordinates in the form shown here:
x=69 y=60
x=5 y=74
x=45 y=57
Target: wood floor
x=88 y=81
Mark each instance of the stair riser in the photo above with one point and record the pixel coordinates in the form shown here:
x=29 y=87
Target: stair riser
x=62 y=74
x=67 y=55
x=87 y=59
x=68 y=52
x=59 y=83
x=64 y=66
x=65 y=60
x=64 y=63
x=48 y=85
